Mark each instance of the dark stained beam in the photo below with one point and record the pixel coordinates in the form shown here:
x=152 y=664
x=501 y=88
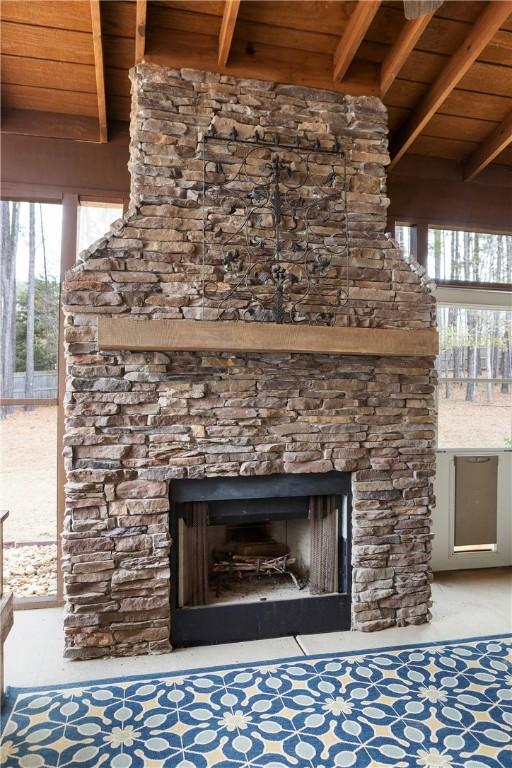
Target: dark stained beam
x=357 y=27
x=431 y=189
x=488 y=23
x=399 y=52
x=33 y=167
x=140 y=30
x=227 y=30
x=99 y=70
x=489 y=150
x=54 y=125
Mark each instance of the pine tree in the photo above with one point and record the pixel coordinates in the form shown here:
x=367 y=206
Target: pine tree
x=31 y=285
x=9 y=218
x=437 y=254
x=470 y=322
x=456 y=311
x=507 y=362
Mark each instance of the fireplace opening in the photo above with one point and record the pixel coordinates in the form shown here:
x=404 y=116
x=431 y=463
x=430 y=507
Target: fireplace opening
x=259 y=557
x=258 y=550
x=258 y=561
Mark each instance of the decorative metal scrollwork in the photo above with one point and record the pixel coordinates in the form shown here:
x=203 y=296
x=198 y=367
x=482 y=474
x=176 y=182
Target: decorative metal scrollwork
x=275 y=230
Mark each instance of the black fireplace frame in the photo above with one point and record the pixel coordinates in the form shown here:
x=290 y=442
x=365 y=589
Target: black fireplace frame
x=222 y=623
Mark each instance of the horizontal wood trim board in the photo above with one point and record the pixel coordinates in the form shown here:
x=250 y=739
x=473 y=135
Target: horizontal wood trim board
x=31 y=401
x=37 y=601
x=227 y=336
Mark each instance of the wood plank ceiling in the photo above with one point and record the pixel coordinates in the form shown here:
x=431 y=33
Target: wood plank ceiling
x=445 y=78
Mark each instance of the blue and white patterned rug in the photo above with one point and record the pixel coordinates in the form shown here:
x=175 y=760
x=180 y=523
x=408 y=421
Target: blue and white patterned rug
x=431 y=706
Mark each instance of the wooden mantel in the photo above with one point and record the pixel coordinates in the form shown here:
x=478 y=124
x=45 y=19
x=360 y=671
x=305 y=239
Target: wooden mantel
x=231 y=336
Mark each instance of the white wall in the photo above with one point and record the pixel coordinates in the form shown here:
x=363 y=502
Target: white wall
x=443 y=556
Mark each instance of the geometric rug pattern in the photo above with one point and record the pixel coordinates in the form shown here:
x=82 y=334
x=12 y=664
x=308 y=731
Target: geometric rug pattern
x=447 y=705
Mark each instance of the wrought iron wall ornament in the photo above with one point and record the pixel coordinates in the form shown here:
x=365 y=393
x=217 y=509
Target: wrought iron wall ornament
x=275 y=230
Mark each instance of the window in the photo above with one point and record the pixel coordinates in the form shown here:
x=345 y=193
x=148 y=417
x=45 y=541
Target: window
x=469 y=256
x=30 y=270
x=475 y=377
x=32 y=259
x=475 y=335
x=94 y=221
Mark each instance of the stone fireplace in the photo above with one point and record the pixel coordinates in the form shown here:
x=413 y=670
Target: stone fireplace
x=156 y=441
x=260 y=556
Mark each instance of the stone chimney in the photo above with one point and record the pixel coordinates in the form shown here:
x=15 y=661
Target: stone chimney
x=135 y=421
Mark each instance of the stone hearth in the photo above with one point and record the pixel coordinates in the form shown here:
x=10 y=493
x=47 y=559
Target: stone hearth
x=136 y=421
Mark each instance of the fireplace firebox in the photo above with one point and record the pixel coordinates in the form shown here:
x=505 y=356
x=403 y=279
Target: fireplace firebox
x=257 y=557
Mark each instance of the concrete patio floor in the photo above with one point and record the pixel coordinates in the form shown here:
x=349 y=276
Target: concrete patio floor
x=466 y=604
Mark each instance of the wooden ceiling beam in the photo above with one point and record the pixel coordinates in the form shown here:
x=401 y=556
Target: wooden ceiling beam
x=99 y=70
x=489 y=150
x=227 y=30
x=399 y=52
x=488 y=23
x=140 y=30
x=268 y=62
x=357 y=27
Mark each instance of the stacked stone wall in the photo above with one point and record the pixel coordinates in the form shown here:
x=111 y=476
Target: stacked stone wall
x=135 y=421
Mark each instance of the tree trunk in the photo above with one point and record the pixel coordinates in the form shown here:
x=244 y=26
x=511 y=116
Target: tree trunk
x=9 y=216
x=507 y=363
x=476 y=259
x=452 y=312
x=498 y=274
x=43 y=244
x=476 y=268
x=466 y=254
x=437 y=253
x=489 y=362
x=458 y=358
x=456 y=350
x=446 y=374
x=495 y=341
x=470 y=351
x=470 y=388
x=31 y=290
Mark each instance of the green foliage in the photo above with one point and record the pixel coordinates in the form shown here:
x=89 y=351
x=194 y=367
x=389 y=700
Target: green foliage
x=467 y=328
x=46 y=330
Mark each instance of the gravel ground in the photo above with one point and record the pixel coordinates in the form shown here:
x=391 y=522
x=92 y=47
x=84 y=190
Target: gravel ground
x=31 y=570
